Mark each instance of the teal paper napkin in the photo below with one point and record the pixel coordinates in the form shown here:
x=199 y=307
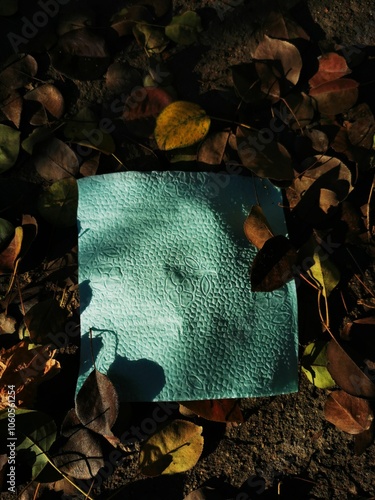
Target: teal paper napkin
x=165 y=288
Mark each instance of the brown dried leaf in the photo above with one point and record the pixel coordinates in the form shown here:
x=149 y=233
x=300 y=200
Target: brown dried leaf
x=273 y=265
x=331 y=67
x=7 y=324
x=256 y=227
x=363 y=440
x=124 y=21
x=81 y=55
x=335 y=97
x=285 y=52
x=25 y=369
x=217 y=410
x=17 y=71
x=212 y=149
x=278 y=25
x=348 y=413
x=361 y=126
x=49 y=97
x=343 y=365
x=264 y=156
x=300 y=110
x=8 y=257
x=55 y=160
x=11 y=105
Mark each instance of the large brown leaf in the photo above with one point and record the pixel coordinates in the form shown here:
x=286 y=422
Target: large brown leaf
x=344 y=367
x=263 y=155
x=256 y=227
x=274 y=265
x=348 y=413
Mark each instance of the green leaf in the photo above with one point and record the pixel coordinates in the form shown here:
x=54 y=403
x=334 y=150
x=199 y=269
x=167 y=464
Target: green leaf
x=184 y=29
x=35 y=433
x=6 y=233
x=152 y=39
x=175 y=448
x=58 y=203
x=9 y=147
x=324 y=272
x=314 y=365
x=181 y=124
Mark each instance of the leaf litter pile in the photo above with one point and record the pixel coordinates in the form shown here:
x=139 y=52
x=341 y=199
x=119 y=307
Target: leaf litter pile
x=299 y=117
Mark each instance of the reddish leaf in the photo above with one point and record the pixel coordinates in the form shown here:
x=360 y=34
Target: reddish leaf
x=273 y=265
x=363 y=440
x=335 y=97
x=343 y=365
x=218 y=410
x=142 y=109
x=350 y=414
x=331 y=67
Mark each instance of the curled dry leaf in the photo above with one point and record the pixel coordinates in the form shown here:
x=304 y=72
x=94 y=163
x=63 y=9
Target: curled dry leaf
x=333 y=98
x=181 y=124
x=344 y=367
x=256 y=227
x=49 y=97
x=264 y=156
x=274 y=265
x=217 y=410
x=326 y=181
x=81 y=55
x=17 y=71
x=285 y=52
x=25 y=369
x=7 y=324
x=55 y=160
x=152 y=39
x=348 y=413
x=331 y=67
x=175 y=448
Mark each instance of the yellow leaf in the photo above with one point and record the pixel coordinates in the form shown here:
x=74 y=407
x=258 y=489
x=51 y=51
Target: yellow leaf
x=181 y=124
x=325 y=273
x=175 y=448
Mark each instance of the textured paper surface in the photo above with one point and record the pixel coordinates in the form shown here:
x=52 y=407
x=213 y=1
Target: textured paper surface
x=165 y=288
